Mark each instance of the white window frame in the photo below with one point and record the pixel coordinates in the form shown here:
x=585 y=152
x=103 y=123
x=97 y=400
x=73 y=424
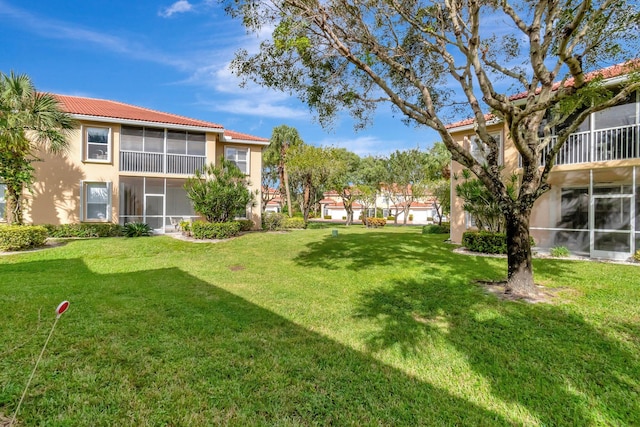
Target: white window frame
x=85 y=142
x=84 y=217
x=479 y=151
x=234 y=157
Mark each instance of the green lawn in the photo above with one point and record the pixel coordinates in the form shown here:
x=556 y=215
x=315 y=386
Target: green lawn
x=374 y=327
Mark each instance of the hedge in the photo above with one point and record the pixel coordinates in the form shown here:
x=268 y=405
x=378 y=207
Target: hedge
x=375 y=222
x=214 y=230
x=84 y=230
x=486 y=242
x=19 y=237
x=435 y=229
x=245 y=224
x=291 y=223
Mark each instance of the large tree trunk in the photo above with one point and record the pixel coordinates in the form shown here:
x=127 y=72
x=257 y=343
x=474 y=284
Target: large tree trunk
x=13 y=207
x=520 y=270
x=286 y=187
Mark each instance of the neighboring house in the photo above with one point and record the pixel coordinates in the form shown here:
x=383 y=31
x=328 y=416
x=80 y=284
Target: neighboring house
x=421 y=211
x=275 y=202
x=593 y=207
x=127 y=163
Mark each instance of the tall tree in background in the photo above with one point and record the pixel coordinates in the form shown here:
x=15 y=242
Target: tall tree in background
x=368 y=180
x=439 y=174
x=309 y=168
x=269 y=181
x=342 y=177
x=437 y=60
x=283 y=138
x=29 y=121
x=407 y=174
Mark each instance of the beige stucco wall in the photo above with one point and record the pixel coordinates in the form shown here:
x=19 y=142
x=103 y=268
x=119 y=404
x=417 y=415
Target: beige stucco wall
x=56 y=193
x=546 y=210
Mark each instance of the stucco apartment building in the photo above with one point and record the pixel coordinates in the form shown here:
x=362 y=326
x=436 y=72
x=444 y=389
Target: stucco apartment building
x=593 y=207
x=128 y=163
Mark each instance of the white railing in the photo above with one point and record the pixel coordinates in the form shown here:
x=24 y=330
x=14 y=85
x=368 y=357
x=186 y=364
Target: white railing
x=136 y=161
x=600 y=145
x=184 y=164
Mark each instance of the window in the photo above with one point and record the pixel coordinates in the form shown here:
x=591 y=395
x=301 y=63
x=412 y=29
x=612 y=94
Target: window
x=98 y=144
x=147 y=140
x=3 y=202
x=480 y=151
x=190 y=143
x=240 y=157
x=96 y=201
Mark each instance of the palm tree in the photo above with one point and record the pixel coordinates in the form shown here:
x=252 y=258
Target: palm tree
x=29 y=121
x=283 y=138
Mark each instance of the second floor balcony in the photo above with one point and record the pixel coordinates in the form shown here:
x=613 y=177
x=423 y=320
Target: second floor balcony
x=182 y=164
x=601 y=145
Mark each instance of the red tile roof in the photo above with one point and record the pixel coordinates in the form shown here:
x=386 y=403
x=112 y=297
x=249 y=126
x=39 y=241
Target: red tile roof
x=243 y=136
x=605 y=73
x=118 y=110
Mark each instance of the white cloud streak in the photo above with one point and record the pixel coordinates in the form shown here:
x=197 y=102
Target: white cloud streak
x=180 y=6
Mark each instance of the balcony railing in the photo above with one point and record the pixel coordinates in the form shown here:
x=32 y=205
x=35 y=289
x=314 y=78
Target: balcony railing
x=136 y=161
x=600 y=145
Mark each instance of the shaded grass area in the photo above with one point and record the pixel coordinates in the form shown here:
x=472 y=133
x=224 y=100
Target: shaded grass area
x=374 y=327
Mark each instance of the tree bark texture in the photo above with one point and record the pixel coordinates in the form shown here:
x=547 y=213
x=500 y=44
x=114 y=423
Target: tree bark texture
x=520 y=269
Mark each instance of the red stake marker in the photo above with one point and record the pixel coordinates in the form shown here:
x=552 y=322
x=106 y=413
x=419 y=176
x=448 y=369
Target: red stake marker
x=64 y=305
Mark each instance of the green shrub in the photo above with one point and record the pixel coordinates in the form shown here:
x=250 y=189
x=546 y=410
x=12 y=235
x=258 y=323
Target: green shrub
x=107 y=229
x=272 y=221
x=435 y=229
x=636 y=256
x=486 y=242
x=344 y=218
x=375 y=222
x=327 y=217
x=185 y=226
x=245 y=224
x=559 y=252
x=215 y=230
x=137 y=229
x=390 y=218
x=19 y=237
x=410 y=217
x=295 y=222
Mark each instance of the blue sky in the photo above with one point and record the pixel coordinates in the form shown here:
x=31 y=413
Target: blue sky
x=172 y=57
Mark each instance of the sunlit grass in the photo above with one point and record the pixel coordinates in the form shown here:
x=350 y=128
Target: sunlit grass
x=373 y=327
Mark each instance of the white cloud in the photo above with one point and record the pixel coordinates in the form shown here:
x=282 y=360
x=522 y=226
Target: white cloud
x=180 y=6
x=364 y=145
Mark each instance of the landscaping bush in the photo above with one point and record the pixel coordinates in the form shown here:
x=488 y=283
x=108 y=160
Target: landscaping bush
x=272 y=221
x=215 y=230
x=84 y=230
x=245 y=224
x=435 y=229
x=390 y=218
x=19 y=237
x=375 y=222
x=185 y=226
x=636 y=256
x=410 y=217
x=291 y=223
x=486 y=242
x=559 y=252
x=327 y=217
x=137 y=229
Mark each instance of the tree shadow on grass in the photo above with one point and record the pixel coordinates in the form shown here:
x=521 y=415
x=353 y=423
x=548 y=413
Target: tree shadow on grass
x=162 y=347
x=359 y=251
x=542 y=357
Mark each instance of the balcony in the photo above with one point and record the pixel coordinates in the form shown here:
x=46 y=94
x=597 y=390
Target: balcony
x=599 y=145
x=137 y=161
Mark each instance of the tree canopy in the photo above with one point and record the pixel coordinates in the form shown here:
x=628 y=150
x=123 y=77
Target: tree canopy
x=438 y=60
x=29 y=121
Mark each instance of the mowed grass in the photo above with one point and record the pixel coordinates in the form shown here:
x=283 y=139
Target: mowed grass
x=373 y=327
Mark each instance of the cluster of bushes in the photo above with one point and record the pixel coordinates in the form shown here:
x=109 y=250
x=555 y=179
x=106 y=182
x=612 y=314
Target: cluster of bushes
x=84 y=230
x=486 y=242
x=276 y=221
x=436 y=229
x=215 y=230
x=137 y=229
x=375 y=222
x=20 y=237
